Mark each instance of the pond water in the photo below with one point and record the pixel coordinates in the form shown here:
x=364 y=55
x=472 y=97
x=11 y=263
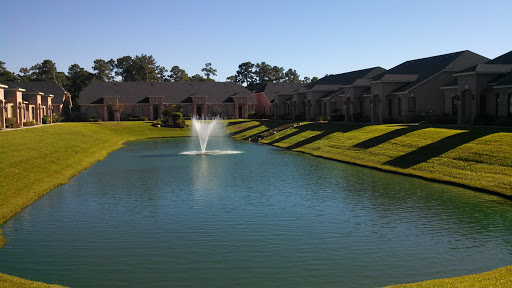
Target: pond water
x=148 y=216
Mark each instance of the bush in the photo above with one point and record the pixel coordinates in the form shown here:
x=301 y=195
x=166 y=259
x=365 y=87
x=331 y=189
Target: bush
x=46 y=119
x=336 y=118
x=176 y=117
x=360 y=117
x=140 y=118
x=29 y=123
x=484 y=119
x=10 y=122
x=56 y=117
x=93 y=119
x=504 y=122
x=79 y=117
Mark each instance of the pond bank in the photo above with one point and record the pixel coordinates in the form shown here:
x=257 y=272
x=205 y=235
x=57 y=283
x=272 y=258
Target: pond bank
x=477 y=158
x=38 y=160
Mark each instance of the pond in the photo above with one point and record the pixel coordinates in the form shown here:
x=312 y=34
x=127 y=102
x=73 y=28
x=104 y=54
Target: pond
x=148 y=216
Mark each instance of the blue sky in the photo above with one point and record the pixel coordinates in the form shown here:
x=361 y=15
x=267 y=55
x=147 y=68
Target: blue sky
x=313 y=37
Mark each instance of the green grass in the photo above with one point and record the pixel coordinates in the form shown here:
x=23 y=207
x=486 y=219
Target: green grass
x=38 y=159
x=499 y=278
x=7 y=281
x=473 y=157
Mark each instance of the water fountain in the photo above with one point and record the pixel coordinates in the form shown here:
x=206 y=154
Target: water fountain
x=203 y=129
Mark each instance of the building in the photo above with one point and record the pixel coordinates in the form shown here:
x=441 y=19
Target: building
x=412 y=89
x=267 y=95
x=148 y=99
x=484 y=89
x=60 y=98
x=325 y=97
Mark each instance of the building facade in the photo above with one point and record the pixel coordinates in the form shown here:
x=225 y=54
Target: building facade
x=102 y=100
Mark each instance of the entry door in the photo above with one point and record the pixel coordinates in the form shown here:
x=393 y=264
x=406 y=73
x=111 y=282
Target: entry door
x=156 y=113
x=199 y=111
x=240 y=112
x=111 y=114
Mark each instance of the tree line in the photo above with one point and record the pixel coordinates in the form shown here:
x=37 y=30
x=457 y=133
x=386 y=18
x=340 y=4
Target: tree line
x=145 y=68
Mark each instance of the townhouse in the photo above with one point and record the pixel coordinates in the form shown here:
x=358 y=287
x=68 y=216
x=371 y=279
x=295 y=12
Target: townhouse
x=102 y=100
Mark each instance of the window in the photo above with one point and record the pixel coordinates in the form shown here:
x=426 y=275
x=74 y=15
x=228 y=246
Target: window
x=411 y=104
x=209 y=110
x=509 y=106
x=137 y=111
x=483 y=103
x=390 y=107
x=33 y=113
x=399 y=106
x=225 y=110
x=497 y=104
x=92 y=112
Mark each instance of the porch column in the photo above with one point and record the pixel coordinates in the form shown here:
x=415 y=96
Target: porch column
x=2 y=114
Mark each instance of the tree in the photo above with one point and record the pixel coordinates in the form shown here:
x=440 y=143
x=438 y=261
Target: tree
x=140 y=68
x=124 y=68
x=6 y=75
x=245 y=73
x=306 y=79
x=231 y=78
x=45 y=71
x=78 y=78
x=291 y=76
x=104 y=70
x=208 y=70
x=24 y=74
x=314 y=79
x=178 y=75
x=198 y=78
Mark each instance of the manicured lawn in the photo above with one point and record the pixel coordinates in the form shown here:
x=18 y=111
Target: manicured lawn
x=7 y=281
x=475 y=157
x=499 y=278
x=35 y=160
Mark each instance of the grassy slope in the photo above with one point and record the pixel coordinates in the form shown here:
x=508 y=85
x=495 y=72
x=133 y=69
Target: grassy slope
x=38 y=159
x=499 y=278
x=477 y=157
x=7 y=281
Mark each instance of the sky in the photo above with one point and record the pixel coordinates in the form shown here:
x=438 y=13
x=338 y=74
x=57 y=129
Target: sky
x=313 y=37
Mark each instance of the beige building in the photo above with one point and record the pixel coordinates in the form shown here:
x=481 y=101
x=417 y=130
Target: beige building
x=101 y=100
x=411 y=90
x=330 y=96
x=481 y=90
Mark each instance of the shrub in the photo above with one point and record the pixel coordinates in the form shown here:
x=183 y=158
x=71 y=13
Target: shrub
x=56 y=117
x=176 y=117
x=504 y=122
x=93 y=119
x=484 y=119
x=140 y=118
x=79 y=117
x=29 y=123
x=336 y=118
x=46 y=119
x=10 y=122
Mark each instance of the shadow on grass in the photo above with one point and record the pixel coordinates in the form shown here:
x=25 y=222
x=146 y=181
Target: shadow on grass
x=383 y=138
x=244 y=130
x=325 y=130
x=232 y=123
x=435 y=149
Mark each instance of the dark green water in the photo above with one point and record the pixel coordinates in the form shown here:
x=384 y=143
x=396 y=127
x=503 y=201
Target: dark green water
x=149 y=217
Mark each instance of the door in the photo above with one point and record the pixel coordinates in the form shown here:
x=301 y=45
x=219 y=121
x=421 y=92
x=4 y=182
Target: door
x=199 y=111
x=156 y=113
x=240 y=112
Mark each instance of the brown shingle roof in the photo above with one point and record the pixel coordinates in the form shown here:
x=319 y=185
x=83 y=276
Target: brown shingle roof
x=46 y=87
x=173 y=92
